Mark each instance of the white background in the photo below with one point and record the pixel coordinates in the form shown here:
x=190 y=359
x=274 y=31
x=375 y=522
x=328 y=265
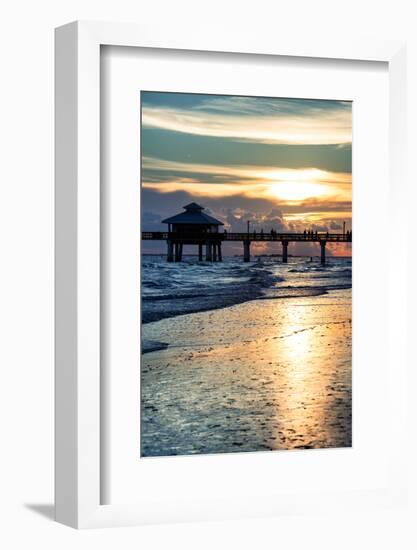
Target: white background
x=26 y=301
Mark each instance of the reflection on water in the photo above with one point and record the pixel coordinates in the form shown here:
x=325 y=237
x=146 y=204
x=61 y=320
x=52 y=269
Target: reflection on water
x=263 y=375
x=315 y=409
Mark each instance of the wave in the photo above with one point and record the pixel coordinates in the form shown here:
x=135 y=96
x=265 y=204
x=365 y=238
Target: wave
x=169 y=290
x=152 y=345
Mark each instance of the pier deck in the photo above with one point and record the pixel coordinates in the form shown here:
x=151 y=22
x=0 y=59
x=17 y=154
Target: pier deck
x=176 y=240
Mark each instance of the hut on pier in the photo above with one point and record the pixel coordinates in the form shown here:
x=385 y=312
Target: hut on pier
x=194 y=227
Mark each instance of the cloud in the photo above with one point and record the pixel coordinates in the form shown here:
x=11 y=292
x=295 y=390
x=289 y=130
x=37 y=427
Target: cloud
x=334 y=225
x=245 y=171
x=289 y=185
x=276 y=121
x=151 y=221
x=150 y=217
x=282 y=164
x=270 y=106
x=237 y=221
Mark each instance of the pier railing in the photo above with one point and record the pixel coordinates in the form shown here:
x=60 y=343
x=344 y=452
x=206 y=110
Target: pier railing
x=251 y=237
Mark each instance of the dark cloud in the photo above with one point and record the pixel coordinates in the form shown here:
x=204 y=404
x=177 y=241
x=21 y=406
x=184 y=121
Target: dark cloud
x=151 y=221
x=315 y=205
x=334 y=226
x=237 y=221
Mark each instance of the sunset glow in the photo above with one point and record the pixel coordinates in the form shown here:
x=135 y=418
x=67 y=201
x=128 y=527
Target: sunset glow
x=298 y=191
x=282 y=164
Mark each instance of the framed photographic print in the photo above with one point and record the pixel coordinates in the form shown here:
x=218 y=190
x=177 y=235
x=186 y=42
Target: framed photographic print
x=228 y=341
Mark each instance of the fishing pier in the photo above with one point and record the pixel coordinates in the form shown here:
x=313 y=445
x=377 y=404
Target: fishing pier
x=194 y=227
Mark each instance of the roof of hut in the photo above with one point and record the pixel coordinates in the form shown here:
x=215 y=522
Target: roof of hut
x=193 y=215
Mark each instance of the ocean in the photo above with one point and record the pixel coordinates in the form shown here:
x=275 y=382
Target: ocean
x=171 y=289
x=240 y=357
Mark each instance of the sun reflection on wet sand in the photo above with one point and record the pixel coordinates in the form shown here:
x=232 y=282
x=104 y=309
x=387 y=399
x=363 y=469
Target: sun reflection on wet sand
x=263 y=375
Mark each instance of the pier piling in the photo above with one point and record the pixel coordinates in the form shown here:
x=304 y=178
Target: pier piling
x=170 y=251
x=213 y=240
x=285 y=252
x=219 y=255
x=323 y=252
x=214 y=246
x=246 y=251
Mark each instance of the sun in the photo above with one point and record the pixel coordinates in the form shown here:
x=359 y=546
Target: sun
x=296 y=191
x=295 y=186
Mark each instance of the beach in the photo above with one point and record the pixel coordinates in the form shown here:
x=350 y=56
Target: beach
x=270 y=373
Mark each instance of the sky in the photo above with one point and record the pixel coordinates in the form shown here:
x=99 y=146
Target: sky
x=283 y=164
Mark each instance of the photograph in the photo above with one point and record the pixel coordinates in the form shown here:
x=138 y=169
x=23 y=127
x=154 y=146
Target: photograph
x=246 y=273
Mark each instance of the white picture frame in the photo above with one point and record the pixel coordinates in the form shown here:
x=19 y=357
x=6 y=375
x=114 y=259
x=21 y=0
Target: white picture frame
x=78 y=405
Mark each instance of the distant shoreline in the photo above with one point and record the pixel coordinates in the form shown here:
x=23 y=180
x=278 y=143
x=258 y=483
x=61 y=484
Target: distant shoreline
x=253 y=255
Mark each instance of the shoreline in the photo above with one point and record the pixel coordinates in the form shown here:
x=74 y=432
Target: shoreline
x=149 y=346
x=293 y=292
x=230 y=301
x=259 y=375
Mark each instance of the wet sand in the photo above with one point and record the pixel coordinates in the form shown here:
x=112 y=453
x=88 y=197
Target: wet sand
x=262 y=375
